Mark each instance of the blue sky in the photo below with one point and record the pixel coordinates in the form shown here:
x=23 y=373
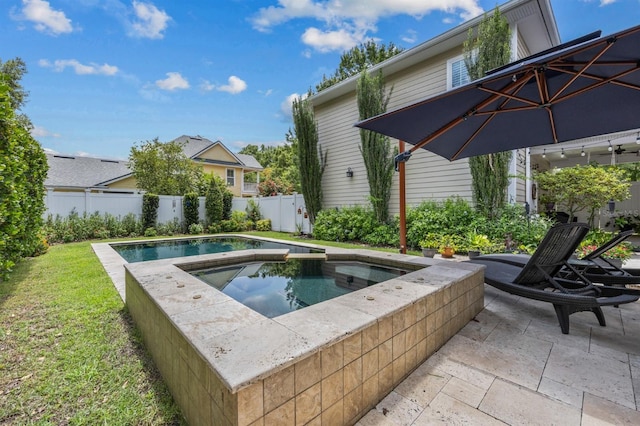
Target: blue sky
x=106 y=74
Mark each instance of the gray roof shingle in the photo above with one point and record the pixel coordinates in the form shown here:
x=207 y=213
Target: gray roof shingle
x=82 y=172
x=88 y=172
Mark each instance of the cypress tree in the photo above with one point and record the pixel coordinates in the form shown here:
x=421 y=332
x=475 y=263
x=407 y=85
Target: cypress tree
x=489 y=50
x=375 y=147
x=310 y=156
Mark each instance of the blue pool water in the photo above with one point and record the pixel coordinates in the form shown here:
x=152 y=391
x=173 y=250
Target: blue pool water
x=155 y=250
x=276 y=288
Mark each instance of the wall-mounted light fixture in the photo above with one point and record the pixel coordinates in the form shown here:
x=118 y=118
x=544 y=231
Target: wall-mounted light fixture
x=349 y=172
x=612 y=206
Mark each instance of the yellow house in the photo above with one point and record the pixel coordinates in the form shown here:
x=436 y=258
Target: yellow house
x=72 y=173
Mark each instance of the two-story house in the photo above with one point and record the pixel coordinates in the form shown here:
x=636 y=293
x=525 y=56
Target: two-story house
x=76 y=173
x=428 y=69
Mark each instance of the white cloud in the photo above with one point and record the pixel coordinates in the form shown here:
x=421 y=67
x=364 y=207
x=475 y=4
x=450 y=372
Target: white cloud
x=606 y=2
x=285 y=106
x=151 y=21
x=235 y=86
x=41 y=132
x=59 y=65
x=410 y=36
x=347 y=23
x=45 y=18
x=206 y=86
x=173 y=81
x=327 y=41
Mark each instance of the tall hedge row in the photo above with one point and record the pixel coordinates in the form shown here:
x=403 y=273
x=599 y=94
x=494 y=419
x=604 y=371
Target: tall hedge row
x=23 y=169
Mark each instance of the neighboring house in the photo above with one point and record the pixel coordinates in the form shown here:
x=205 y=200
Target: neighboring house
x=75 y=173
x=428 y=69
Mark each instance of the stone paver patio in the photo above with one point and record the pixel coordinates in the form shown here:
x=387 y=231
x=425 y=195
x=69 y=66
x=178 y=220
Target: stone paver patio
x=513 y=365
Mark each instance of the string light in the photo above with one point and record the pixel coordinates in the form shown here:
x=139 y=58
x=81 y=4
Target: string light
x=610 y=147
x=638 y=138
x=544 y=153
x=562 y=153
x=582 y=152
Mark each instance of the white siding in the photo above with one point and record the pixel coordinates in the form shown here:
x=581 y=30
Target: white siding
x=428 y=175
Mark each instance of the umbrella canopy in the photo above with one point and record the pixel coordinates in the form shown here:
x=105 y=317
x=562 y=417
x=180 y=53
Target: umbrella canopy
x=587 y=87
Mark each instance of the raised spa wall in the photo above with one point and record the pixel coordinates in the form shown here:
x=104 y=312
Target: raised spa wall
x=327 y=364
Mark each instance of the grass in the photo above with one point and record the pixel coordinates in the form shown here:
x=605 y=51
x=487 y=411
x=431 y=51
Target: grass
x=69 y=351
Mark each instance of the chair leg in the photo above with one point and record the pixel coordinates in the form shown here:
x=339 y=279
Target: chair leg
x=562 y=312
x=600 y=315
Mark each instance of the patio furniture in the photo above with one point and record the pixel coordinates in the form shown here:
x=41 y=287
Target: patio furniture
x=594 y=267
x=538 y=278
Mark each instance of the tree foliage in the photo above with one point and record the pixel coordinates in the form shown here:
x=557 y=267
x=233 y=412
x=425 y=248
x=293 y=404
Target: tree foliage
x=23 y=170
x=163 y=168
x=580 y=188
x=375 y=147
x=280 y=166
x=214 y=201
x=311 y=159
x=490 y=49
x=358 y=59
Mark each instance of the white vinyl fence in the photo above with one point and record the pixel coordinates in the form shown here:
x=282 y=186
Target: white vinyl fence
x=287 y=212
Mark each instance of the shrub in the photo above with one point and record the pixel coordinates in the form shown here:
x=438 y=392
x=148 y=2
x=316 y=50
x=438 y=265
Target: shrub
x=150 y=203
x=213 y=202
x=191 y=203
x=345 y=224
x=196 y=228
x=263 y=225
x=150 y=232
x=227 y=200
x=253 y=211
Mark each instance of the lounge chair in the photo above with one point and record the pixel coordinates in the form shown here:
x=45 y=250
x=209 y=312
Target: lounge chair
x=538 y=279
x=593 y=266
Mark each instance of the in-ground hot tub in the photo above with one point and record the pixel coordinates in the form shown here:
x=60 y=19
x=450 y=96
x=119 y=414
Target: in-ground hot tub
x=329 y=363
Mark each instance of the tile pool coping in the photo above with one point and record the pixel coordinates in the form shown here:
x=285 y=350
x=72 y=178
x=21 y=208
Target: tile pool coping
x=236 y=366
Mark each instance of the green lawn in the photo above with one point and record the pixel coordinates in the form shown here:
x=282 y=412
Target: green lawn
x=69 y=352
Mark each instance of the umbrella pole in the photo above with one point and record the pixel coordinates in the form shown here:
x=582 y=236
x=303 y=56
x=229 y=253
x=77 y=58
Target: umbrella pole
x=403 y=202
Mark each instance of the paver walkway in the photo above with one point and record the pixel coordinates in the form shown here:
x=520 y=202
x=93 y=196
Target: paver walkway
x=513 y=365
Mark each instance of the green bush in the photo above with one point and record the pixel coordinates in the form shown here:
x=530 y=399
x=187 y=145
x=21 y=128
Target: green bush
x=196 y=228
x=23 y=169
x=150 y=203
x=190 y=203
x=253 y=211
x=344 y=224
x=150 y=232
x=214 y=202
x=263 y=225
x=227 y=200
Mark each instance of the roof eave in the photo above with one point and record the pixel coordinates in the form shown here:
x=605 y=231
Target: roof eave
x=441 y=43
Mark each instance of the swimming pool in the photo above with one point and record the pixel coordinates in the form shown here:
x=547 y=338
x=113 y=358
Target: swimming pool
x=167 y=249
x=277 y=288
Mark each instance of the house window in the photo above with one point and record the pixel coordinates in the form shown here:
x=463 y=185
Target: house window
x=457 y=74
x=231 y=177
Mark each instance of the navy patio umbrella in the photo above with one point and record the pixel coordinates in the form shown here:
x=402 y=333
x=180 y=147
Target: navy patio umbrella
x=587 y=87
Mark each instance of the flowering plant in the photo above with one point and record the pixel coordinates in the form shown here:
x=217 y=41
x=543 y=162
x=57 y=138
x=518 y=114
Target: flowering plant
x=621 y=252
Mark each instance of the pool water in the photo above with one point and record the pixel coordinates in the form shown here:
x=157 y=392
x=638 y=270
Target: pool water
x=276 y=288
x=155 y=250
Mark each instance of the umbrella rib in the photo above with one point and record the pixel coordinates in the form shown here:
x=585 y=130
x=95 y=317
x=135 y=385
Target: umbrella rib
x=609 y=44
x=478 y=130
x=602 y=82
x=611 y=80
x=453 y=123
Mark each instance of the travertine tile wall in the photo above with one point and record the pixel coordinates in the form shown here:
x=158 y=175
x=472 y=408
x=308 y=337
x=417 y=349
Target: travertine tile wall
x=335 y=385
